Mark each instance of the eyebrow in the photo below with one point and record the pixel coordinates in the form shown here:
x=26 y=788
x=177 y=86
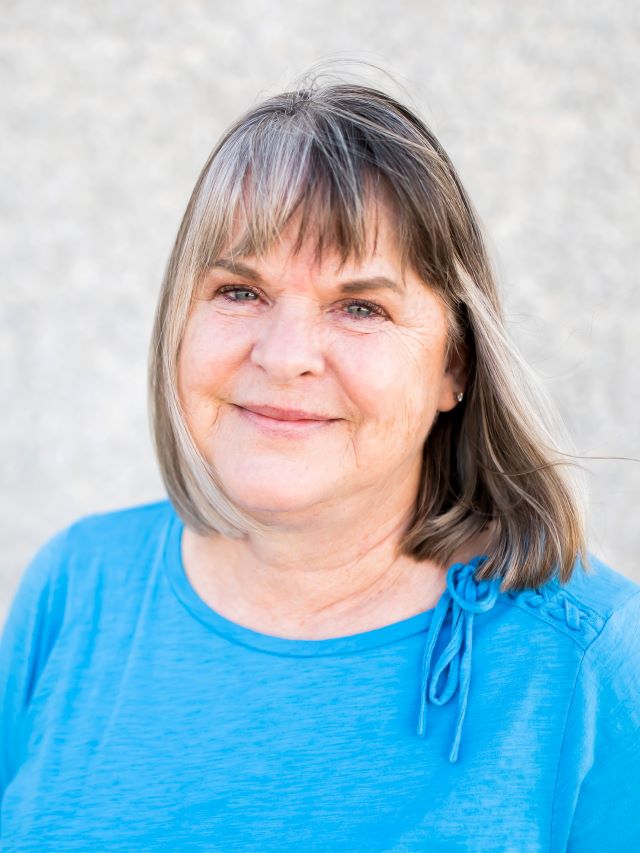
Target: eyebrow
x=356 y=285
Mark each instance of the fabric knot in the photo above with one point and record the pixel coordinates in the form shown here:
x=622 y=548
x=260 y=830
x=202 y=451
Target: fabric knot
x=464 y=597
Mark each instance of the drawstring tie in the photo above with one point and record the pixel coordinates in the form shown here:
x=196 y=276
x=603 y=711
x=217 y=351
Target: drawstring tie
x=465 y=597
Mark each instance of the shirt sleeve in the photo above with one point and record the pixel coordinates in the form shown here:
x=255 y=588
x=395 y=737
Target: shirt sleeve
x=30 y=630
x=598 y=786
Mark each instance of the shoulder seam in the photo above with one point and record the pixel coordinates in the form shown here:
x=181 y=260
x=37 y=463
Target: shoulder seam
x=575 y=636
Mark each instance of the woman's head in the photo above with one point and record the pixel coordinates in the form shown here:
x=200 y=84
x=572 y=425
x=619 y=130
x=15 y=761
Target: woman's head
x=303 y=194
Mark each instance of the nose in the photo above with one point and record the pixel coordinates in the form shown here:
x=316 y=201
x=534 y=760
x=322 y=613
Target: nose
x=288 y=342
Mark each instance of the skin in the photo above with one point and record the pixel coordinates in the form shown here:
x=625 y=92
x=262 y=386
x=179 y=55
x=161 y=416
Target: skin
x=336 y=500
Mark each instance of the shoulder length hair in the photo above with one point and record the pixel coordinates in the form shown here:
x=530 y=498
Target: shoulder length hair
x=320 y=151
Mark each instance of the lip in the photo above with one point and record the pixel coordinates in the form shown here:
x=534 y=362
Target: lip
x=276 y=413
x=284 y=427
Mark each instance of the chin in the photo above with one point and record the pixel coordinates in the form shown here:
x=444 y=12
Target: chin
x=269 y=504
x=276 y=482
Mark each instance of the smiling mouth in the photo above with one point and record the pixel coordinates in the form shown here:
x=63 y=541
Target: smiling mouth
x=285 y=414
x=280 y=426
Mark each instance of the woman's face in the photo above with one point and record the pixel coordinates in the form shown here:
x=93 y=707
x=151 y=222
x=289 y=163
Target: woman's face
x=368 y=358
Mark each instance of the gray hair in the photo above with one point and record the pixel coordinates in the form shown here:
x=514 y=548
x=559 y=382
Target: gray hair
x=324 y=151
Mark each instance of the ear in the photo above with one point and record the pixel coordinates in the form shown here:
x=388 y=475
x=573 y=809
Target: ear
x=454 y=380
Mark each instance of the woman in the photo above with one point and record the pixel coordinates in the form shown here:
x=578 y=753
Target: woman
x=364 y=620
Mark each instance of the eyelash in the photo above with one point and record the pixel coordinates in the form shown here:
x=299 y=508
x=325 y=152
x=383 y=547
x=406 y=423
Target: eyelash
x=372 y=306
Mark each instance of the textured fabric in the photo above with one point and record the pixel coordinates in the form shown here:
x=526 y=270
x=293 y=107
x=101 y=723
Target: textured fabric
x=136 y=718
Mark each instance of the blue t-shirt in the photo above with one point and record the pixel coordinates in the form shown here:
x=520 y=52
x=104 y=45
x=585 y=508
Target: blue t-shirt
x=135 y=718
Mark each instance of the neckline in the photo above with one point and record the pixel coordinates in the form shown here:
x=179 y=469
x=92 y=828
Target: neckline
x=244 y=636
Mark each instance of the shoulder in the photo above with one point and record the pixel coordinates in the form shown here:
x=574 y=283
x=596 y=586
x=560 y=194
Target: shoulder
x=125 y=525
x=119 y=532
x=594 y=804
x=613 y=655
x=99 y=557
x=598 y=604
x=599 y=587
x=93 y=540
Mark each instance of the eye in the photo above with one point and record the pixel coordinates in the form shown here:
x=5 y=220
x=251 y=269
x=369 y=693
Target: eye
x=371 y=307
x=235 y=288
x=244 y=293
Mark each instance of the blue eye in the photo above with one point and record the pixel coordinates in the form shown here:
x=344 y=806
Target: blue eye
x=230 y=291
x=375 y=310
x=233 y=288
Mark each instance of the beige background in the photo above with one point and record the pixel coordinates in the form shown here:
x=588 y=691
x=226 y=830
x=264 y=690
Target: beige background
x=108 y=113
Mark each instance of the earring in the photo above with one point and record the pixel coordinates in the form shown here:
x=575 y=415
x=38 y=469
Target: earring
x=459 y=396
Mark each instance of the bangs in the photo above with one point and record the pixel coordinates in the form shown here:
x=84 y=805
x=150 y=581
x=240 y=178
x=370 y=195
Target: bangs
x=319 y=180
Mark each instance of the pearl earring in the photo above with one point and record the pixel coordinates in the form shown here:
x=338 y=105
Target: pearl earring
x=459 y=396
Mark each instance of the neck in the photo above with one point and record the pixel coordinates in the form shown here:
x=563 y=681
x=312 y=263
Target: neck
x=341 y=574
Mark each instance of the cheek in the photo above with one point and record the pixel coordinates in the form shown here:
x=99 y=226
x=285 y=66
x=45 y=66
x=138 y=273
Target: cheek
x=394 y=379
x=193 y=361
x=206 y=356
x=204 y=365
